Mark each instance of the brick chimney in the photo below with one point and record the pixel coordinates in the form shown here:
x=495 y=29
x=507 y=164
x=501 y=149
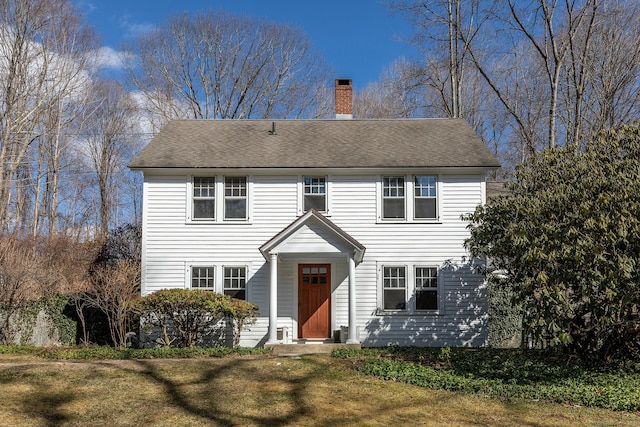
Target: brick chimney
x=344 y=103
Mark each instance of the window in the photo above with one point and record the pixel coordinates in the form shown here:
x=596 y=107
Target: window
x=394 y=288
x=235 y=282
x=315 y=193
x=393 y=197
x=202 y=278
x=426 y=288
x=424 y=188
x=235 y=198
x=204 y=200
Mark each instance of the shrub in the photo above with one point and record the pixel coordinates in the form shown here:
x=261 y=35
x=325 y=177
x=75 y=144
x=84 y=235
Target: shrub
x=185 y=315
x=114 y=282
x=568 y=237
x=241 y=313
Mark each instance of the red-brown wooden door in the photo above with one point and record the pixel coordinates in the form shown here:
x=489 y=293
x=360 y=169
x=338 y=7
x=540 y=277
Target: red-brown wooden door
x=314 y=306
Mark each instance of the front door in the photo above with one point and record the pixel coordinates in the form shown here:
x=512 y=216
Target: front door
x=314 y=293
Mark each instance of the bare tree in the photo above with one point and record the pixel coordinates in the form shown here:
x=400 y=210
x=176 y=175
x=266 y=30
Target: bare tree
x=392 y=96
x=612 y=71
x=445 y=30
x=44 y=53
x=113 y=288
x=18 y=285
x=109 y=133
x=115 y=280
x=559 y=70
x=216 y=65
x=550 y=29
x=31 y=268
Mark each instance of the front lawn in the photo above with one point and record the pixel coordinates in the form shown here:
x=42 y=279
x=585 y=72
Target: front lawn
x=508 y=374
x=247 y=390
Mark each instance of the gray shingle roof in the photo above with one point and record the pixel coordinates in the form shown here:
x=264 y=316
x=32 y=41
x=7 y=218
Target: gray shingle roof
x=315 y=144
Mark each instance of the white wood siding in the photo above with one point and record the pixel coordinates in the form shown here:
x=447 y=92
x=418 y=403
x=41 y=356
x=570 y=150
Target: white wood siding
x=170 y=241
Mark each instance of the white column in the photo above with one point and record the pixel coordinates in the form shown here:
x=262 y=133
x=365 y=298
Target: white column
x=273 y=299
x=352 y=339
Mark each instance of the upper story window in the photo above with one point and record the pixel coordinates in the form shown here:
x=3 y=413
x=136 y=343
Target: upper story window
x=202 y=278
x=216 y=199
x=393 y=204
x=235 y=198
x=315 y=193
x=426 y=281
x=204 y=198
x=408 y=198
x=425 y=197
x=235 y=282
x=394 y=285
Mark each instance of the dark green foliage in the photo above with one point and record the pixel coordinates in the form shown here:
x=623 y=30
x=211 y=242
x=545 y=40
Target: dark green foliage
x=59 y=321
x=93 y=353
x=185 y=315
x=513 y=373
x=57 y=310
x=568 y=237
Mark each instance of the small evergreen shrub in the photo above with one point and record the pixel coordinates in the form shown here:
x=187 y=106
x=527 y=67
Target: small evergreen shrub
x=184 y=316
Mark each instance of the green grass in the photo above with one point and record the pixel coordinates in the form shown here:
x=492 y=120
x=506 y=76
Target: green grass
x=110 y=353
x=507 y=374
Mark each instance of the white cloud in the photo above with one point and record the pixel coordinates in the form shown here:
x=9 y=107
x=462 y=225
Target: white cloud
x=135 y=30
x=107 y=57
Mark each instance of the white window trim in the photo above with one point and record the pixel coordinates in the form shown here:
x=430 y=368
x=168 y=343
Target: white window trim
x=439 y=289
x=190 y=217
x=380 y=197
x=222 y=205
x=190 y=265
x=410 y=290
x=219 y=201
x=411 y=188
x=409 y=200
x=380 y=288
x=300 y=193
x=218 y=272
x=246 y=278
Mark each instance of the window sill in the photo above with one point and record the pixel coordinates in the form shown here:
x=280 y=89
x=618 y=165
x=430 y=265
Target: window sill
x=404 y=221
x=220 y=222
x=407 y=313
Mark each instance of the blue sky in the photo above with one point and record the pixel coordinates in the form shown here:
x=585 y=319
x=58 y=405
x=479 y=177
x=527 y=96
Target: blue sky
x=359 y=38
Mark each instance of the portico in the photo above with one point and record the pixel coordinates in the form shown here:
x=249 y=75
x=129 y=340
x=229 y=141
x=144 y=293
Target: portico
x=316 y=248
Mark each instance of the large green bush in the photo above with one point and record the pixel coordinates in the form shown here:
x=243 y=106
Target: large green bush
x=184 y=316
x=568 y=237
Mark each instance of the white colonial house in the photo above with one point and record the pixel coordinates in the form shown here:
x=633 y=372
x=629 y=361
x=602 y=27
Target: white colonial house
x=327 y=225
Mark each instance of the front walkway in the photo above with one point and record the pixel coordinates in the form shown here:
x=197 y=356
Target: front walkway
x=307 y=348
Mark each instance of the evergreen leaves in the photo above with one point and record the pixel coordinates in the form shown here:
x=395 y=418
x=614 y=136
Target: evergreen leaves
x=568 y=236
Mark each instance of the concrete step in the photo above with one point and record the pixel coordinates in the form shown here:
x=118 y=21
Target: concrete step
x=307 y=348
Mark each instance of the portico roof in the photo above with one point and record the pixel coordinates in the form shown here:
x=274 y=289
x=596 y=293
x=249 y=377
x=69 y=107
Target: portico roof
x=313 y=233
